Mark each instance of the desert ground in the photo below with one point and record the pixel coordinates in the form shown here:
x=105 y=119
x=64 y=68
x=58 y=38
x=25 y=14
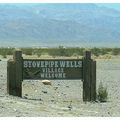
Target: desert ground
x=62 y=98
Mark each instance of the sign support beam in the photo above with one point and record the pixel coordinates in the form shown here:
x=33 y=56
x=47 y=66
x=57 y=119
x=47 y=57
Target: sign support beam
x=89 y=78
x=14 y=74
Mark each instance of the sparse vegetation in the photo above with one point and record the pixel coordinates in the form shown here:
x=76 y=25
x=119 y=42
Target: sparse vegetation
x=116 y=51
x=27 y=51
x=6 y=51
x=62 y=51
x=102 y=94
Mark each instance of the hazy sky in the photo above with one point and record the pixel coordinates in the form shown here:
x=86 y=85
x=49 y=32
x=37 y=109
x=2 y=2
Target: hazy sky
x=111 y=5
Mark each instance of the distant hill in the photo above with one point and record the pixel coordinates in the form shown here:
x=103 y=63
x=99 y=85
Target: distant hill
x=79 y=25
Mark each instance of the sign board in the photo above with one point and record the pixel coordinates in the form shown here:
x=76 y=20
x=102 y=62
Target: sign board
x=52 y=69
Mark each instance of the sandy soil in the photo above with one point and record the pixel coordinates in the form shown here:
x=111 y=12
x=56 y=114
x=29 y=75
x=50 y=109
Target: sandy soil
x=63 y=97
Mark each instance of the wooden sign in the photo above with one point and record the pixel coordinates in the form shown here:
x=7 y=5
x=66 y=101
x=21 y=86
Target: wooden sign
x=19 y=69
x=52 y=69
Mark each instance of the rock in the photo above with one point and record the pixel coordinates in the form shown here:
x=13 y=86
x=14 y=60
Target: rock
x=52 y=100
x=46 y=82
x=67 y=86
x=25 y=97
x=40 y=99
x=63 y=94
x=70 y=105
x=44 y=92
x=15 y=109
x=109 y=113
x=36 y=91
x=18 y=116
x=59 y=95
x=55 y=88
x=1 y=75
x=26 y=94
x=1 y=106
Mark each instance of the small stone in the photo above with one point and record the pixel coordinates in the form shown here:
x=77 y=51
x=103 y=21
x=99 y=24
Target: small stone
x=46 y=82
x=40 y=99
x=109 y=113
x=35 y=90
x=26 y=94
x=32 y=84
x=67 y=86
x=44 y=92
x=25 y=97
x=1 y=106
x=14 y=109
x=55 y=88
x=63 y=94
x=70 y=107
x=1 y=75
x=52 y=100
x=59 y=95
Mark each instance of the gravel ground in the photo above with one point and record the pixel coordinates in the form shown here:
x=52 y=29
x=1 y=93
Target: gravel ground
x=63 y=97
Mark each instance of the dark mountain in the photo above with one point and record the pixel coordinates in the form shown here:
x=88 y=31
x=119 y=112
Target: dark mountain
x=58 y=24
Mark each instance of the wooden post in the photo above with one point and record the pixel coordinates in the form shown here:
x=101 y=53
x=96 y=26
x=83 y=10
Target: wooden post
x=11 y=82
x=14 y=74
x=86 y=76
x=18 y=70
x=89 y=78
x=93 y=81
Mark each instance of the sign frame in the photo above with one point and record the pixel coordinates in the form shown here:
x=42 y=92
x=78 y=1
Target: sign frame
x=15 y=75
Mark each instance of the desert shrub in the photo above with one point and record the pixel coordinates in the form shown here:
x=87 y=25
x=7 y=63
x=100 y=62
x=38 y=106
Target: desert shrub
x=27 y=51
x=10 y=51
x=80 y=51
x=102 y=94
x=116 y=51
x=6 y=51
x=75 y=51
x=3 y=52
x=96 y=51
x=37 y=52
x=62 y=51
x=103 y=51
x=52 y=52
x=100 y=51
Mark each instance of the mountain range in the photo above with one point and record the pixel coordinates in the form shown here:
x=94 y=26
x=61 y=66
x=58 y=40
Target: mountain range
x=50 y=25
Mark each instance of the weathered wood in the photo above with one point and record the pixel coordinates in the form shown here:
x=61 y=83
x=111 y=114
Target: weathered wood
x=87 y=55
x=86 y=76
x=93 y=81
x=89 y=78
x=87 y=68
x=11 y=81
x=86 y=79
x=18 y=70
